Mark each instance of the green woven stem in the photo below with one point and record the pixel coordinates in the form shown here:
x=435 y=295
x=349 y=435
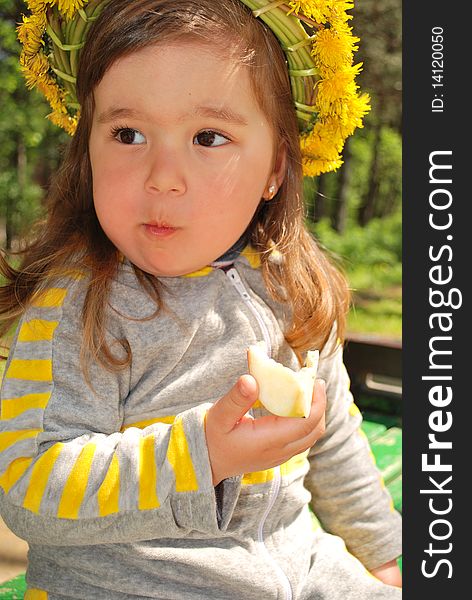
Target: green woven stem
x=308 y=118
x=81 y=27
x=288 y=30
x=280 y=25
x=52 y=34
x=61 y=56
x=303 y=72
x=82 y=14
x=270 y=6
x=65 y=76
x=302 y=44
x=305 y=107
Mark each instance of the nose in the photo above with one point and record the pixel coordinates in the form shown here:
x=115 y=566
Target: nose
x=166 y=172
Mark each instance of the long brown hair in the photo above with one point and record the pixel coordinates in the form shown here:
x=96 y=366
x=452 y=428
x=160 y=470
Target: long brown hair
x=306 y=279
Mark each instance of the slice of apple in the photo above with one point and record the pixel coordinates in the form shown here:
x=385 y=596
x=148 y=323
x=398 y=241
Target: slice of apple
x=283 y=392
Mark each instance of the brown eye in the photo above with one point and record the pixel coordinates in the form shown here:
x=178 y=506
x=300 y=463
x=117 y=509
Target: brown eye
x=129 y=136
x=210 y=139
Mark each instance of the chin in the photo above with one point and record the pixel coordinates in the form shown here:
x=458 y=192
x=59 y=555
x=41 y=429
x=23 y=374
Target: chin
x=167 y=271
x=166 y=266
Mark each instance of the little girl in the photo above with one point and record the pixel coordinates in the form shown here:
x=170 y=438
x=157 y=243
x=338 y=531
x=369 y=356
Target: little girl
x=134 y=456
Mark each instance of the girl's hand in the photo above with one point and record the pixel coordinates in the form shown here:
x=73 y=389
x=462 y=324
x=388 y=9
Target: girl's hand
x=238 y=443
x=389 y=573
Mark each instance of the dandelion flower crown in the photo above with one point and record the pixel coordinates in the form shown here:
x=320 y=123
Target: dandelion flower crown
x=314 y=34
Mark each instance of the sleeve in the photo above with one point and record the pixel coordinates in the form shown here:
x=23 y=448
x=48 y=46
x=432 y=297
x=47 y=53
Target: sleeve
x=348 y=493
x=70 y=474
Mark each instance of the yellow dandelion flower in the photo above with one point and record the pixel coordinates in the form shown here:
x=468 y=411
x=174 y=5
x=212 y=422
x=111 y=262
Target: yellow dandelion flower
x=30 y=33
x=351 y=117
x=53 y=94
x=340 y=7
x=31 y=79
x=334 y=50
x=68 y=123
x=318 y=10
x=331 y=108
x=355 y=109
x=338 y=86
x=340 y=25
x=323 y=142
x=70 y=7
x=315 y=167
x=34 y=68
x=39 y=6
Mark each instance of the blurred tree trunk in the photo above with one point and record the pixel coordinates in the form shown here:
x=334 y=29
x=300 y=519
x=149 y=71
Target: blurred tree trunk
x=319 y=204
x=341 y=204
x=390 y=205
x=367 y=208
x=8 y=221
x=21 y=162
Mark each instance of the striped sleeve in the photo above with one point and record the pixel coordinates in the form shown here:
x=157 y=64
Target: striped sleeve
x=348 y=494
x=69 y=472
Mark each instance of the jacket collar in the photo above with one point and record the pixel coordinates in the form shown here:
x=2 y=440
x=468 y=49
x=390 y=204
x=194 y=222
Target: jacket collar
x=248 y=254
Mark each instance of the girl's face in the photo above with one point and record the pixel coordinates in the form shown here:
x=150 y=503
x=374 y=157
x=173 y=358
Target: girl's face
x=181 y=156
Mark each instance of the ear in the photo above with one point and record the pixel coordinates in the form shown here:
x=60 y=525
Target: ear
x=278 y=174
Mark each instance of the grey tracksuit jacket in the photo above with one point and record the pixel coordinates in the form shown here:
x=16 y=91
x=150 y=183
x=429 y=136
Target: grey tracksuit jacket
x=111 y=484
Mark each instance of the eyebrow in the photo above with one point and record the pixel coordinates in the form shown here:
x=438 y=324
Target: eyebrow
x=113 y=113
x=223 y=113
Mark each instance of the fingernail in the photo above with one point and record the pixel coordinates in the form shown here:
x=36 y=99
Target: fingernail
x=321 y=383
x=244 y=388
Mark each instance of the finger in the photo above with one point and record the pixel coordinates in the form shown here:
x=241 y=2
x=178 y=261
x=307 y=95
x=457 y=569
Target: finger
x=289 y=430
x=315 y=425
x=235 y=404
x=318 y=402
x=306 y=442
x=316 y=419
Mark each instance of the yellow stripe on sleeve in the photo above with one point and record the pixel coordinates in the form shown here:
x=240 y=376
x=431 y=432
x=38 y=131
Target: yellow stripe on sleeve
x=297 y=462
x=366 y=440
x=37 y=330
x=147 y=474
x=35 y=594
x=51 y=298
x=8 y=438
x=109 y=491
x=258 y=477
x=30 y=370
x=40 y=476
x=76 y=484
x=14 y=472
x=354 y=410
x=178 y=455
x=12 y=407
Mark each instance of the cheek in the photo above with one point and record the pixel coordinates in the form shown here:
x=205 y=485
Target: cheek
x=108 y=200
x=109 y=185
x=243 y=174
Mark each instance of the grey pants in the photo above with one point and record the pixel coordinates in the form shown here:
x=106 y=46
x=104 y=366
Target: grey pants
x=337 y=575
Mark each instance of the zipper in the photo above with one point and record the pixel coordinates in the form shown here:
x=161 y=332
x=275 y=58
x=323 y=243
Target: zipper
x=273 y=493
x=237 y=282
x=239 y=285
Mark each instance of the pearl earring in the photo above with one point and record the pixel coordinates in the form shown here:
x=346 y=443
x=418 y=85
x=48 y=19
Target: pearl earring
x=271 y=192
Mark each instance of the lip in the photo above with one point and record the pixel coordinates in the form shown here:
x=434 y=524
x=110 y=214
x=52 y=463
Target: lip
x=159 y=230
